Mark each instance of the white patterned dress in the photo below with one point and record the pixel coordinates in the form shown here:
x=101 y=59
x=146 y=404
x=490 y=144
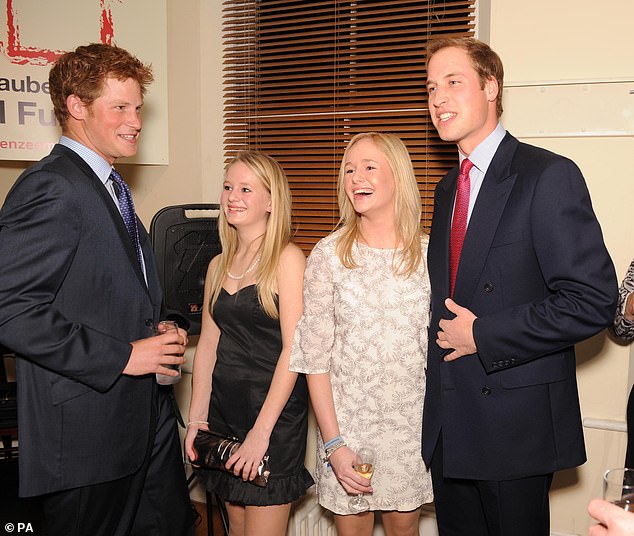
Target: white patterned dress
x=368 y=329
x=622 y=327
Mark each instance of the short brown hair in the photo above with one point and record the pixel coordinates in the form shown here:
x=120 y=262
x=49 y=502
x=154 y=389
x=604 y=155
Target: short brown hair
x=485 y=61
x=83 y=72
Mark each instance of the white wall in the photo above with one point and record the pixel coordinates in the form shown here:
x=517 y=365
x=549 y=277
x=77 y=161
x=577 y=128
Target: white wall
x=545 y=42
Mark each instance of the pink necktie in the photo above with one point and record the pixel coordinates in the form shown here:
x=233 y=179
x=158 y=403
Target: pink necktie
x=459 y=224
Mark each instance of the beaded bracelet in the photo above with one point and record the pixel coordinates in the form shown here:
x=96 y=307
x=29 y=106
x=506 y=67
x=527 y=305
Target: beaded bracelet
x=332 y=445
x=332 y=449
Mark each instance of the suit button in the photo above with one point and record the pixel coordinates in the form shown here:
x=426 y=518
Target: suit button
x=486 y=391
x=148 y=322
x=488 y=287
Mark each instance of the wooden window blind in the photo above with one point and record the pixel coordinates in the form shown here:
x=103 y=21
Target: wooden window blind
x=302 y=77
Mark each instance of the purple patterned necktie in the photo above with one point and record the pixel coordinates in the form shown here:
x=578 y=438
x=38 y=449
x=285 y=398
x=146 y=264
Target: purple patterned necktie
x=126 y=207
x=459 y=223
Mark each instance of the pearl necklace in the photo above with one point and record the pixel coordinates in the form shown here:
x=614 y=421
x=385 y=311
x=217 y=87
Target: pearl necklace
x=247 y=271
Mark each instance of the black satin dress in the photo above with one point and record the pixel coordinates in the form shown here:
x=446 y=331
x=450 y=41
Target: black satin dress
x=249 y=347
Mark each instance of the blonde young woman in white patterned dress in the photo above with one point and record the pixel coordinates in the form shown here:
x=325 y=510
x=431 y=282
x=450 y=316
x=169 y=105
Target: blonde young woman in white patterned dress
x=362 y=340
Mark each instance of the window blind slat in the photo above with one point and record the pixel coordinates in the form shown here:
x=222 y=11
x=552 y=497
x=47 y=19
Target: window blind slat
x=302 y=77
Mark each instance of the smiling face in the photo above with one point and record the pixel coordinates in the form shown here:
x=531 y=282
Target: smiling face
x=245 y=200
x=111 y=124
x=462 y=109
x=369 y=180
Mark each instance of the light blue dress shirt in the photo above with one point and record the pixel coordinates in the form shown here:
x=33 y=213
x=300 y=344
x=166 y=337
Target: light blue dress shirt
x=481 y=158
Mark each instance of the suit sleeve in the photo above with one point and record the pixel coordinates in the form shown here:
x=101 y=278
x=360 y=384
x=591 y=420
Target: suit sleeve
x=577 y=289
x=40 y=230
x=622 y=327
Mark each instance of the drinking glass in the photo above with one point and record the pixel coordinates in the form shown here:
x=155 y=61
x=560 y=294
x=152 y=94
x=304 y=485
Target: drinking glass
x=618 y=487
x=162 y=379
x=365 y=467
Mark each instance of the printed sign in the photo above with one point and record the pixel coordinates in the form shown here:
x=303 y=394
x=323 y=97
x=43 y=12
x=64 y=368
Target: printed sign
x=33 y=34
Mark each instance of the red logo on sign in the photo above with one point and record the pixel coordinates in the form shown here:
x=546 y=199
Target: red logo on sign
x=21 y=54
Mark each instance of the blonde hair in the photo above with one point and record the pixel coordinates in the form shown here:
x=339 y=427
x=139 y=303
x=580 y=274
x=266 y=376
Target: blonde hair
x=276 y=237
x=407 y=205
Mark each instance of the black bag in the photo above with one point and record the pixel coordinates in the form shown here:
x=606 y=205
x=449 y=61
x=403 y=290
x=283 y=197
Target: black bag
x=214 y=450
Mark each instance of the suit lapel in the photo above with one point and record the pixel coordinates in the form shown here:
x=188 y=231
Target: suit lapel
x=110 y=207
x=440 y=233
x=153 y=283
x=485 y=218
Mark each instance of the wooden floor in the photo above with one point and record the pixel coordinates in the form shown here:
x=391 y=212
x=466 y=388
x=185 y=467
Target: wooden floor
x=13 y=508
x=201 y=523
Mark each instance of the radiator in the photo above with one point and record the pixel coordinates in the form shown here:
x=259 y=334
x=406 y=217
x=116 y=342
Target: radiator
x=310 y=519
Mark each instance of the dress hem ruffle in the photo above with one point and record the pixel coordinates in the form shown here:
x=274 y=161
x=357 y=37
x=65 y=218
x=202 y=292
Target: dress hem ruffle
x=280 y=490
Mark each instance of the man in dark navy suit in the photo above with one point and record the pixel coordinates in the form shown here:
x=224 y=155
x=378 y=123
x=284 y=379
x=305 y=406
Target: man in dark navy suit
x=79 y=294
x=531 y=277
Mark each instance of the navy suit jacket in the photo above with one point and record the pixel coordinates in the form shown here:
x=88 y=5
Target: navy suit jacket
x=72 y=298
x=535 y=271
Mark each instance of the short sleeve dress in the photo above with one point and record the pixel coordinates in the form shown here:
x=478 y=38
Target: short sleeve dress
x=368 y=329
x=248 y=350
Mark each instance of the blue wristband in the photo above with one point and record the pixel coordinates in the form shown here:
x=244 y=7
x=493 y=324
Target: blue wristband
x=333 y=441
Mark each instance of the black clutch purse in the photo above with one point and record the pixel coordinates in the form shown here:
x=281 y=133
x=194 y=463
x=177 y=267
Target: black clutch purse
x=214 y=450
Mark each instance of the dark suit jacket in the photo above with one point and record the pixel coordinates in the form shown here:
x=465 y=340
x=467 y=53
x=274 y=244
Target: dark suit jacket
x=535 y=271
x=72 y=297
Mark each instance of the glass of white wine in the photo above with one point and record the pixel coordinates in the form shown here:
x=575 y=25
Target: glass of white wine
x=365 y=467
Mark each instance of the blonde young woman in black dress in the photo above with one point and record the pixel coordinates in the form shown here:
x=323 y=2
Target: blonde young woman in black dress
x=241 y=384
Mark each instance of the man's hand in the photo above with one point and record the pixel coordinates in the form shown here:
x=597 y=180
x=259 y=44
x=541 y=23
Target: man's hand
x=458 y=332
x=152 y=354
x=615 y=521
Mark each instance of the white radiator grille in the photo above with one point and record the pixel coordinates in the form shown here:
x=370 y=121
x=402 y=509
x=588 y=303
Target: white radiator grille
x=310 y=519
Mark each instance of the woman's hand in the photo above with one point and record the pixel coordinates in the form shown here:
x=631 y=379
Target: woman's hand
x=342 y=461
x=192 y=430
x=245 y=461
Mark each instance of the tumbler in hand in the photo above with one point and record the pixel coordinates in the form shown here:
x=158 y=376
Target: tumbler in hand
x=618 y=487
x=163 y=327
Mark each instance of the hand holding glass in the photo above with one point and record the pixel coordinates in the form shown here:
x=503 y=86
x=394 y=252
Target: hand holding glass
x=163 y=327
x=365 y=467
x=618 y=487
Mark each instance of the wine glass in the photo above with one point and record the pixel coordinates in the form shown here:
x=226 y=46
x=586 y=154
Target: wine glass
x=618 y=487
x=365 y=467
